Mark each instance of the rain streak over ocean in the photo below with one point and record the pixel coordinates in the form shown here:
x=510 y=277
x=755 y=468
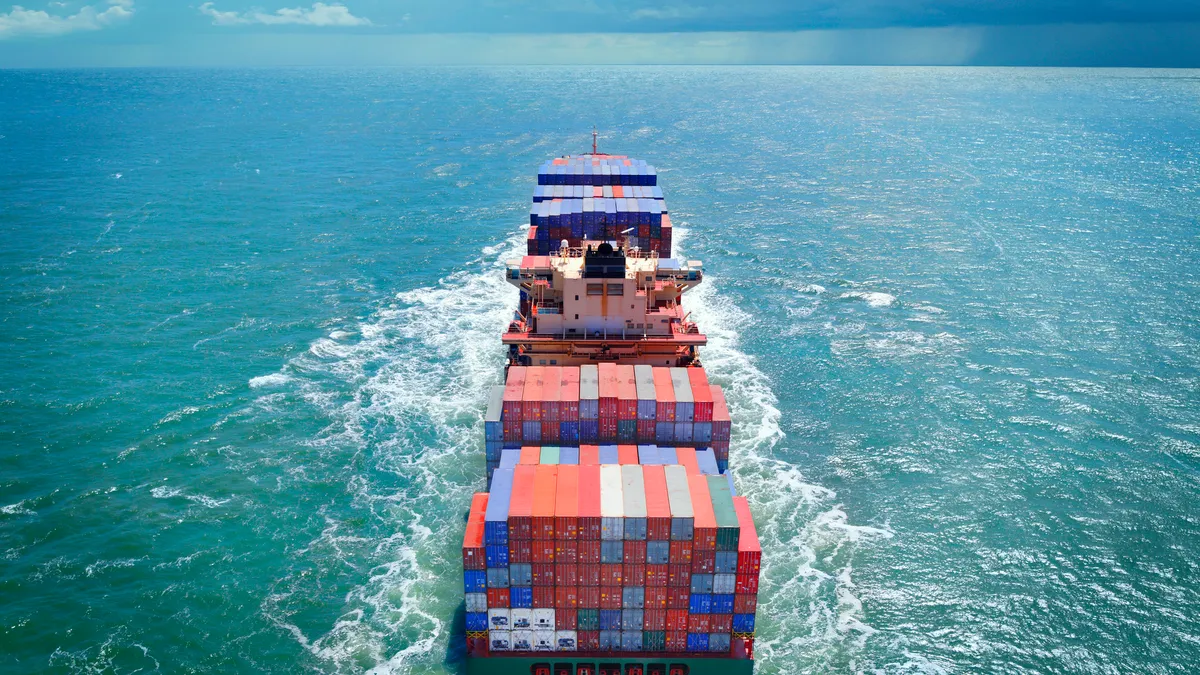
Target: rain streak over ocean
x=248 y=320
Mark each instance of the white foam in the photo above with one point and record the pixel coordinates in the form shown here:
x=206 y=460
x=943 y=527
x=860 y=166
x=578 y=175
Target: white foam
x=271 y=380
x=872 y=298
x=17 y=509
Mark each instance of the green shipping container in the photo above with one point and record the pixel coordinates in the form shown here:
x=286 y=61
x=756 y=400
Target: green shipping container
x=728 y=531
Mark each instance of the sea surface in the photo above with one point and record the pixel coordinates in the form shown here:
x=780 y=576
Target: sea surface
x=247 y=318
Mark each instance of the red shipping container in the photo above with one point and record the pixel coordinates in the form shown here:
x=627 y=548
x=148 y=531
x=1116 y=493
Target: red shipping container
x=747 y=584
x=722 y=423
x=677 y=620
x=589 y=505
x=531 y=398
x=656 y=575
x=589 y=455
x=566 y=551
x=656 y=597
x=531 y=455
x=681 y=553
x=610 y=597
x=551 y=432
x=543 y=550
x=608 y=430
x=679 y=576
x=497 y=598
x=569 y=395
x=705 y=523
x=545 y=487
x=566 y=574
x=635 y=575
x=687 y=459
x=749 y=550
x=566 y=597
x=627 y=454
x=473 y=552
x=589 y=640
x=566 y=504
x=626 y=394
x=654 y=619
x=676 y=640
x=520 y=506
x=646 y=432
x=566 y=619
x=543 y=597
x=679 y=598
x=720 y=623
x=608 y=394
x=658 y=506
x=611 y=575
x=542 y=574
x=551 y=391
x=664 y=392
x=635 y=554
x=589 y=597
x=514 y=394
x=589 y=574
x=520 y=551
x=698 y=623
x=704 y=562
x=589 y=552
x=701 y=395
x=744 y=603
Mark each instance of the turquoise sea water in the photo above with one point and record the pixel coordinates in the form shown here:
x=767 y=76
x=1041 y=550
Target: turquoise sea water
x=247 y=317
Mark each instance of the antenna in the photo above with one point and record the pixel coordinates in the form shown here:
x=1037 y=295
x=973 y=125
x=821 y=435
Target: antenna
x=593 y=139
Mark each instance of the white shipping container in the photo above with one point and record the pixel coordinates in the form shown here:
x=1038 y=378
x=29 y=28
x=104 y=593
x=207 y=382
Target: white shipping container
x=500 y=640
x=543 y=640
x=566 y=640
x=612 y=506
x=543 y=619
x=498 y=619
x=476 y=602
x=521 y=619
x=522 y=640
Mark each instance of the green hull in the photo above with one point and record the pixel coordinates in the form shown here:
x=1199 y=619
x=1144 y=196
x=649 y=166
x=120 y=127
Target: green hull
x=523 y=665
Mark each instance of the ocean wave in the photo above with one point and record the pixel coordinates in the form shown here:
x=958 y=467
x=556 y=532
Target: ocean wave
x=872 y=298
x=271 y=380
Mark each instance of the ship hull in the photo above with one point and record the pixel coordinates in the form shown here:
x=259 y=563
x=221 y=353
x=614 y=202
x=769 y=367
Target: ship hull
x=523 y=665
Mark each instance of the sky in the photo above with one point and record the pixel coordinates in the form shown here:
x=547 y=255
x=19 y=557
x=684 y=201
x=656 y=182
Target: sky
x=1121 y=33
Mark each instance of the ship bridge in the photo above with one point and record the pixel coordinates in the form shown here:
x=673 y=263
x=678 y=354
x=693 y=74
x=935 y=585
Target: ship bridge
x=600 y=302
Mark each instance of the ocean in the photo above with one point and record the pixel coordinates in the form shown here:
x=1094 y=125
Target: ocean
x=248 y=317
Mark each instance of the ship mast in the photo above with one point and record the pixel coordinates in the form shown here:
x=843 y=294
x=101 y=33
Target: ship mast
x=593 y=140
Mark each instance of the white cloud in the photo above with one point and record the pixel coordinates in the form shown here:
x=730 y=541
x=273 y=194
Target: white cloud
x=37 y=22
x=320 y=14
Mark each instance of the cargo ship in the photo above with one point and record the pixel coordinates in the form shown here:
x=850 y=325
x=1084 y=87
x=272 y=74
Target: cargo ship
x=610 y=540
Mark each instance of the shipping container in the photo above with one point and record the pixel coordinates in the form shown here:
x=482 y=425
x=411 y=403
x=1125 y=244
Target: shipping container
x=634 y=495
x=493 y=427
x=566 y=505
x=658 y=506
x=705 y=524
x=589 y=455
x=473 y=539
x=496 y=516
x=627 y=395
x=612 y=506
x=702 y=400
x=589 y=394
x=520 y=511
x=664 y=394
x=684 y=406
x=680 y=501
x=531 y=406
x=647 y=406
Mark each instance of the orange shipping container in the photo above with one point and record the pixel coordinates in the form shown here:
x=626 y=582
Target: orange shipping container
x=705 y=528
x=545 y=484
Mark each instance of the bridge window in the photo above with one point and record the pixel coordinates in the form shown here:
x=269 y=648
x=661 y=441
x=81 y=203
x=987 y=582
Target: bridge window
x=595 y=289
x=616 y=289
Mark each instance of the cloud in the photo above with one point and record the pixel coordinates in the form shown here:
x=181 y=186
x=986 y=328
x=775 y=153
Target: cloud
x=37 y=22
x=320 y=14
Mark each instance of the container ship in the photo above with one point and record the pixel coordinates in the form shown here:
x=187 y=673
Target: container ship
x=610 y=540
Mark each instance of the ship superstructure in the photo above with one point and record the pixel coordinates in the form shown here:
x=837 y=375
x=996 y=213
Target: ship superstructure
x=611 y=540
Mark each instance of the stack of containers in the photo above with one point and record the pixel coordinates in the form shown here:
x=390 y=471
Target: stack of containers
x=721 y=428
x=589 y=404
x=606 y=403
x=684 y=405
x=610 y=557
x=493 y=428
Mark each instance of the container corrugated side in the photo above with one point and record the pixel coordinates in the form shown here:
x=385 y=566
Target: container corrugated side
x=612 y=504
x=520 y=510
x=496 y=516
x=633 y=490
x=545 y=486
